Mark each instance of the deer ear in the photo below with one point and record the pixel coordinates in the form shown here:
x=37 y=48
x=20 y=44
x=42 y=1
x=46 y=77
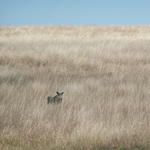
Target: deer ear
x=62 y=92
x=57 y=93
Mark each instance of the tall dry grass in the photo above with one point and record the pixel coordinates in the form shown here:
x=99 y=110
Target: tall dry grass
x=104 y=73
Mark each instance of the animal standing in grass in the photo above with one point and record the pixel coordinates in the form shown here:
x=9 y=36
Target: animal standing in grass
x=56 y=99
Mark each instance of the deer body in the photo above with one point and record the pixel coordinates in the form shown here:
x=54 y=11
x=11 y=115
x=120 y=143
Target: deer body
x=56 y=99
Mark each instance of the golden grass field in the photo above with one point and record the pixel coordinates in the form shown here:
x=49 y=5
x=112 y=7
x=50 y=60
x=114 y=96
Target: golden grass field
x=104 y=73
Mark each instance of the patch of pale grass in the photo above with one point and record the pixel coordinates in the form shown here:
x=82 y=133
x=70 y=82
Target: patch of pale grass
x=104 y=73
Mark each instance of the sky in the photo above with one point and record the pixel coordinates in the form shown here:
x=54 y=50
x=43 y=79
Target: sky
x=74 y=12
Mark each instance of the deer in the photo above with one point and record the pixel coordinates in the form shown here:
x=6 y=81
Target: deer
x=56 y=99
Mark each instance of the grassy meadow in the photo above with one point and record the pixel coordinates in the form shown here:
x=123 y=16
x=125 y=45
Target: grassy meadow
x=104 y=73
